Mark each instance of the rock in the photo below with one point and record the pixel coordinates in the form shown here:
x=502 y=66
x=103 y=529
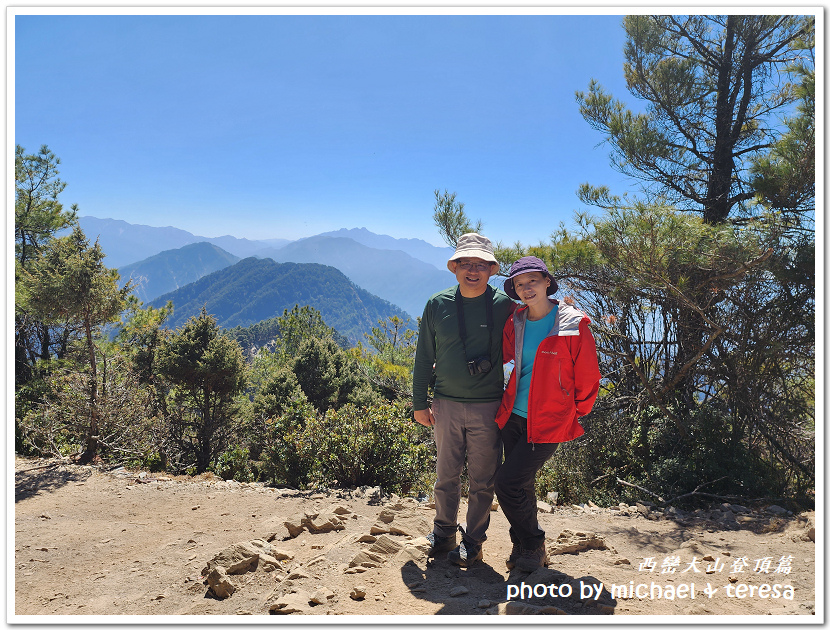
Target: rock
x=295 y=526
x=341 y=509
x=622 y=561
x=552 y=497
x=484 y=603
x=374 y=495
x=573 y=542
x=404 y=522
x=643 y=509
x=321 y=596
x=358 y=592
x=290 y=603
x=45 y=516
x=366 y=559
x=494 y=506
x=322 y=523
x=386 y=545
x=316 y=560
x=298 y=574
x=739 y=509
x=458 y=591
x=409 y=524
x=242 y=557
x=281 y=554
x=777 y=510
x=219 y=584
x=807 y=536
x=420 y=543
x=412 y=554
x=386 y=516
x=367 y=538
x=543 y=507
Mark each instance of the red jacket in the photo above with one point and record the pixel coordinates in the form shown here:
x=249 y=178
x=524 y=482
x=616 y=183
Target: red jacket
x=565 y=378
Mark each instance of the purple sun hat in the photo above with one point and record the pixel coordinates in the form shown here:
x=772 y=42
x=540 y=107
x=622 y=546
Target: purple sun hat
x=526 y=265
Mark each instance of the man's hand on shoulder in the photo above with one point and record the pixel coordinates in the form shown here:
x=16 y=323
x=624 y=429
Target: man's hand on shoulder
x=424 y=417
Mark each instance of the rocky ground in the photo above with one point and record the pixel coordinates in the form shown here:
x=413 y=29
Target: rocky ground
x=89 y=542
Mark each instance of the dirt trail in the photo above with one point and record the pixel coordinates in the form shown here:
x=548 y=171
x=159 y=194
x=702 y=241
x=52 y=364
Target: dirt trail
x=126 y=543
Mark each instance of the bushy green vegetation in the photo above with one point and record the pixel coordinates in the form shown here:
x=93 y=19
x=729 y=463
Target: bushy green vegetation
x=352 y=446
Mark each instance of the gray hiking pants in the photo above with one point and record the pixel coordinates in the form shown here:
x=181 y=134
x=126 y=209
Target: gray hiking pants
x=465 y=429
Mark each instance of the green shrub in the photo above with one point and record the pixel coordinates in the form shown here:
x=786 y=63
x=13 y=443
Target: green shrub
x=290 y=449
x=328 y=376
x=376 y=445
x=235 y=464
x=646 y=449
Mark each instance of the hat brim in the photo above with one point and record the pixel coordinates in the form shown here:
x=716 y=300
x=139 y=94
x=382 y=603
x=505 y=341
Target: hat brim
x=472 y=253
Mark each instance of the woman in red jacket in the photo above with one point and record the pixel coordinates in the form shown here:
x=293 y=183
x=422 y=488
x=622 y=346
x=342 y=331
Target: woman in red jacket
x=555 y=381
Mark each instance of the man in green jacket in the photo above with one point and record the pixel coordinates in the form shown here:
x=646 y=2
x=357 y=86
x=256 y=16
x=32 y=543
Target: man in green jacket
x=459 y=341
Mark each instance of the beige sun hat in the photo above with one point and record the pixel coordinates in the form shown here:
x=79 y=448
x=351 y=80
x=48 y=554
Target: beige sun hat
x=472 y=245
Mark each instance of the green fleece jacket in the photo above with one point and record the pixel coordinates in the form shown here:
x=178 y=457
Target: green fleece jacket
x=439 y=344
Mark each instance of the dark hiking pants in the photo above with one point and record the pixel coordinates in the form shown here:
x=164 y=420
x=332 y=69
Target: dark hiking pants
x=515 y=482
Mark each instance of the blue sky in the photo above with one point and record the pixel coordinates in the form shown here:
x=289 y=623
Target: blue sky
x=284 y=126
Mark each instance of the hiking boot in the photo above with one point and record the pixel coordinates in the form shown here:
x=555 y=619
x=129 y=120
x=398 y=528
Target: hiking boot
x=514 y=554
x=466 y=554
x=531 y=559
x=437 y=544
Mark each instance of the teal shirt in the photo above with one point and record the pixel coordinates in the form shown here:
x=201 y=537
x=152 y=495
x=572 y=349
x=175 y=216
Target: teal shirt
x=439 y=343
x=534 y=333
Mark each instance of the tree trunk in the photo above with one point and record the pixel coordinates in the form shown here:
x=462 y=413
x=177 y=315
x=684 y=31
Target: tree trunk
x=91 y=449
x=720 y=181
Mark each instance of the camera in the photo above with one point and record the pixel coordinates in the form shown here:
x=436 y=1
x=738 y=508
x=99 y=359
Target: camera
x=481 y=365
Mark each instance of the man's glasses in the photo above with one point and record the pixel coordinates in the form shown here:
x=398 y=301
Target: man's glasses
x=468 y=266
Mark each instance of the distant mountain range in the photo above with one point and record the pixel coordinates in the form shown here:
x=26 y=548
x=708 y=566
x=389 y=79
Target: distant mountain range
x=391 y=274
x=253 y=290
x=174 y=268
x=125 y=243
x=415 y=247
x=404 y=272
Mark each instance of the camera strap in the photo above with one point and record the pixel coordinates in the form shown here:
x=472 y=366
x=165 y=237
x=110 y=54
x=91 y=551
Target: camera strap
x=462 y=328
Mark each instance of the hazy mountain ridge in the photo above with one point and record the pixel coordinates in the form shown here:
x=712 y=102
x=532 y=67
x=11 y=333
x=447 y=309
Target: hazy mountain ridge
x=126 y=243
x=254 y=290
x=380 y=264
x=415 y=247
x=393 y=275
x=174 y=268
